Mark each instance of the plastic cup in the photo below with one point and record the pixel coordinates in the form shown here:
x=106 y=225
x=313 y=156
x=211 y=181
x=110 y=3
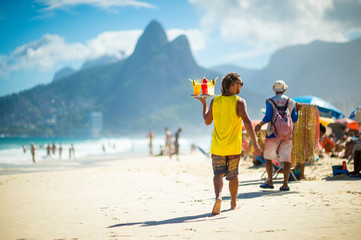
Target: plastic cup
x=210 y=88
x=204 y=88
x=197 y=89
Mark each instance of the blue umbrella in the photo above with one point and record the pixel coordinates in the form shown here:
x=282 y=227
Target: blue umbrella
x=356 y=114
x=325 y=108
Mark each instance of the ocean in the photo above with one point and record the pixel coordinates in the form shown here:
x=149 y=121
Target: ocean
x=87 y=150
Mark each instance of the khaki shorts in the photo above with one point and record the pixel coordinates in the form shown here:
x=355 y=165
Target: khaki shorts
x=276 y=145
x=227 y=165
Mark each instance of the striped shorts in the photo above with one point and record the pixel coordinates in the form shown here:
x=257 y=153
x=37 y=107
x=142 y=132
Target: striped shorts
x=227 y=165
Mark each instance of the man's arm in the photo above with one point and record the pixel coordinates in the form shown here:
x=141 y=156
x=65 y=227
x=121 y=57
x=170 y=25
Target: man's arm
x=207 y=113
x=294 y=115
x=242 y=112
x=267 y=118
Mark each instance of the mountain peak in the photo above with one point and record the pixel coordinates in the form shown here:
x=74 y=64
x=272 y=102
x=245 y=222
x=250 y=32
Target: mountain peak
x=63 y=73
x=152 y=39
x=179 y=50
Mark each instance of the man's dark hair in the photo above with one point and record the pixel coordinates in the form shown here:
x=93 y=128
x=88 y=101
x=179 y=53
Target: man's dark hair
x=227 y=81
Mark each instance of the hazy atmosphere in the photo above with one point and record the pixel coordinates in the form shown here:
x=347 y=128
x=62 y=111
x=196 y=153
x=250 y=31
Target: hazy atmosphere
x=38 y=38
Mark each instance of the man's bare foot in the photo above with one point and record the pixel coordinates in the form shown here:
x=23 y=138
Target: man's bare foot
x=217 y=207
x=234 y=205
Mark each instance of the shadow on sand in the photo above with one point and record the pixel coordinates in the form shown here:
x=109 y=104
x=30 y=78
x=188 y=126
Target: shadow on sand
x=209 y=216
x=188 y=219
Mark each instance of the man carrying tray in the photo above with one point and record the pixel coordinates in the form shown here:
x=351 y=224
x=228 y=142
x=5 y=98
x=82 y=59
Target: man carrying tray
x=227 y=111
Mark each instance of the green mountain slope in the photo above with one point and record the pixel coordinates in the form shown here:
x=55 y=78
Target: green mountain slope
x=148 y=90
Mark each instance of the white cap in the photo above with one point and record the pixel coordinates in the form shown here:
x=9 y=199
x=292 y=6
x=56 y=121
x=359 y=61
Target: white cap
x=279 y=86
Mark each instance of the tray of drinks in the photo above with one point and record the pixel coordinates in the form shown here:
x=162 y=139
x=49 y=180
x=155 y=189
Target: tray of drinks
x=204 y=88
x=202 y=95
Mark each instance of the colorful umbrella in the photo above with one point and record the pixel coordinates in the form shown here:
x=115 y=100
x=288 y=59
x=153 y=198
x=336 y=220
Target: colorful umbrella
x=356 y=114
x=351 y=124
x=345 y=120
x=325 y=108
x=325 y=121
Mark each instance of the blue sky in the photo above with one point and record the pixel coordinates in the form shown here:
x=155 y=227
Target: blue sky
x=39 y=37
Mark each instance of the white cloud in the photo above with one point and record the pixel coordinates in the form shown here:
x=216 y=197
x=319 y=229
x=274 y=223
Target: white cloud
x=274 y=24
x=112 y=43
x=61 y=4
x=196 y=37
x=46 y=52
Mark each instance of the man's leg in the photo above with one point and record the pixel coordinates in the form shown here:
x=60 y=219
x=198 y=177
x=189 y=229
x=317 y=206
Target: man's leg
x=302 y=171
x=284 y=152
x=270 y=148
x=269 y=169
x=218 y=185
x=286 y=173
x=233 y=189
x=356 y=162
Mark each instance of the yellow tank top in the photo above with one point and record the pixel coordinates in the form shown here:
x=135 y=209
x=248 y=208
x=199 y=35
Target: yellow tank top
x=227 y=133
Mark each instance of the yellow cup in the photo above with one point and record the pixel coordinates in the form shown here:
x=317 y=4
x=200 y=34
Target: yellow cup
x=197 y=89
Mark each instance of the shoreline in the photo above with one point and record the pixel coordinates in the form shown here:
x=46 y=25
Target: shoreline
x=54 y=164
x=158 y=197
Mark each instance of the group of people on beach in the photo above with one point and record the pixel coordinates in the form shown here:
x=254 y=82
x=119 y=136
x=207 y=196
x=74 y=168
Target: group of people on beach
x=50 y=150
x=228 y=111
x=171 y=146
x=347 y=146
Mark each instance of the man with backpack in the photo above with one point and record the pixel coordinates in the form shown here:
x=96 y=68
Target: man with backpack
x=280 y=114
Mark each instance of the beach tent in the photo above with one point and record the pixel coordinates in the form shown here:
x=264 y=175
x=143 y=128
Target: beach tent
x=325 y=108
x=356 y=114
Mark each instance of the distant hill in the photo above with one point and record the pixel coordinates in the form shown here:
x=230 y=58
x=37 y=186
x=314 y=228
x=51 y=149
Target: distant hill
x=63 y=73
x=246 y=74
x=328 y=70
x=104 y=60
x=150 y=90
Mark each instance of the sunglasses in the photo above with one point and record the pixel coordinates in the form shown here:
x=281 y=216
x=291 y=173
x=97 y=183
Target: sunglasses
x=240 y=84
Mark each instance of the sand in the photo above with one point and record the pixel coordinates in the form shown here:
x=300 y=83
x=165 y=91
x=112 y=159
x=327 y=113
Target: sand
x=159 y=198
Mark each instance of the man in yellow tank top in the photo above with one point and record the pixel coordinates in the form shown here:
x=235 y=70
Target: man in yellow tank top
x=227 y=111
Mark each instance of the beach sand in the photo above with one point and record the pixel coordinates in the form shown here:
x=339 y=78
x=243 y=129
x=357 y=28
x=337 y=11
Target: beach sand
x=155 y=197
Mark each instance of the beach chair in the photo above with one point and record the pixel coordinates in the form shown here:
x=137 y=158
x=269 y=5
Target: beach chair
x=277 y=168
x=204 y=152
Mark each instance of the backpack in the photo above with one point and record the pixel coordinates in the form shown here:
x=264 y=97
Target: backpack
x=282 y=124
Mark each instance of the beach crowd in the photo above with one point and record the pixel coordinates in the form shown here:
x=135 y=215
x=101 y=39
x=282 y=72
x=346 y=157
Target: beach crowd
x=227 y=111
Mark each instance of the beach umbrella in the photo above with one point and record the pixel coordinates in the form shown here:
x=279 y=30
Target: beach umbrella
x=356 y=114
x=345 y=120
x=325 y=108
x=325 y=121
x=351 y=124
